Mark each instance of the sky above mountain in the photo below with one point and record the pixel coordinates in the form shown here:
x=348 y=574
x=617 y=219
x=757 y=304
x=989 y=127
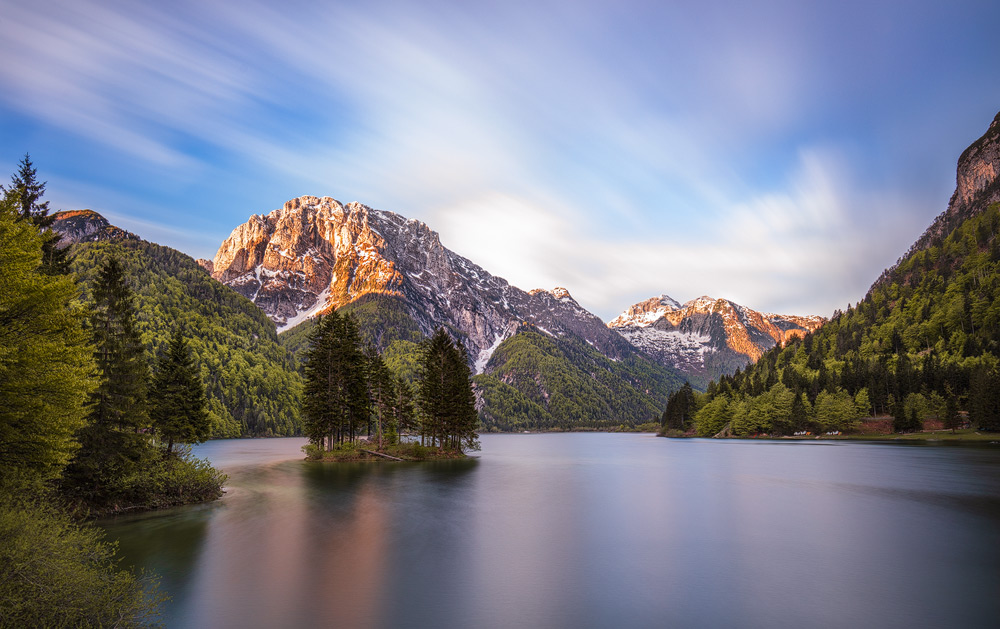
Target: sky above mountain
x=779 y=154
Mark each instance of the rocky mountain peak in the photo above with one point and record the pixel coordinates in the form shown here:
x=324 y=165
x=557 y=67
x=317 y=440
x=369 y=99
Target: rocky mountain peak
x=977 y=186
x=315 y=253
x=75 y=226
x=706 y=336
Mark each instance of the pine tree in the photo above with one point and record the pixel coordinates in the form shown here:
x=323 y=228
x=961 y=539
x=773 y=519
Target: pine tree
x=445 y=395
x=112 y=444
x=46 y=361
x=178 y=407
x=403 y=415
x=335 y=398
x=26 y=192
x=380 y=391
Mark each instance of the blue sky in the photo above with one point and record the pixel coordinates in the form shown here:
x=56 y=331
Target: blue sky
x=780 y=154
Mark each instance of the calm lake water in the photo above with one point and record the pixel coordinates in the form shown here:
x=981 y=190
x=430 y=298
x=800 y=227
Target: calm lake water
x=587 y=530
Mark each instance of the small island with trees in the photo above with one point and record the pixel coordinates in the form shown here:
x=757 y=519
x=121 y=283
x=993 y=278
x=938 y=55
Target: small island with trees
x=354 y=408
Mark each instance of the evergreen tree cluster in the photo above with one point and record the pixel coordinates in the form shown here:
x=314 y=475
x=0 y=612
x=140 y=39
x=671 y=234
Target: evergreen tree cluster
x=350 y=391
x=122 y=462
x=923 y=344
x=679 y=414
x=252 y=384
x=54 y=571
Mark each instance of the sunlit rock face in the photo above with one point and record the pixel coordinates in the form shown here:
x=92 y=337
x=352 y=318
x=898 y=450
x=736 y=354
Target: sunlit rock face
x=75 y=226
x=977 y=186
x=316 y=253
x=706 y=337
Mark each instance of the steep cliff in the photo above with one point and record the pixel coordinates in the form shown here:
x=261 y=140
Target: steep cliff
x=977 y=185
x=706 y=337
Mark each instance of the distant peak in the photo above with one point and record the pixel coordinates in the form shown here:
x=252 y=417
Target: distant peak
x=86 y=214
x=558 y=292
x=667 y=300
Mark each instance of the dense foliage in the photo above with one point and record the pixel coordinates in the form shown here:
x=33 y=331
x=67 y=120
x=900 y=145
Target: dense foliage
x=335 y=402
x=46 y=364
x=251 y=383
x=444 y=395
x=54 y=572
x=57 y=573
x=382 y=323
x=924 y=343
x=537 y=382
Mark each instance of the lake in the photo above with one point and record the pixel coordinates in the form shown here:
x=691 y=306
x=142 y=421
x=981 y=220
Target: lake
x=587 y=530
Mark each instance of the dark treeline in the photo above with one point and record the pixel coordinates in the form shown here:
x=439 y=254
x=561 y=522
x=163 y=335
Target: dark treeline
x=923 y=344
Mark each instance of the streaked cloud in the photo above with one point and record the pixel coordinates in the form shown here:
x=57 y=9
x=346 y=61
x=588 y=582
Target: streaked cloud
x=618 y=149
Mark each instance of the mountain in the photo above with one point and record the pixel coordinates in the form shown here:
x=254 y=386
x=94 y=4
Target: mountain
x=251 y=381
x=543 y=361
x=315 y=254
x=977 y=186
x=706 y=337
x=923 y=345
x=75 y=226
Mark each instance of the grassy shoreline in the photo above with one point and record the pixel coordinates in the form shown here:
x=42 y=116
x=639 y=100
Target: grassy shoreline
x=967 y=435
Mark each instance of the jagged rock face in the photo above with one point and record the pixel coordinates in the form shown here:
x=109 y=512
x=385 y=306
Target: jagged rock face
x=977 y=186
x=315 y=254
x=706 y=337
x=75 y=226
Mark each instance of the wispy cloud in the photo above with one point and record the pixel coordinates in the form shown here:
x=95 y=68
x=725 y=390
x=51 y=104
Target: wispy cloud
x=621 y=150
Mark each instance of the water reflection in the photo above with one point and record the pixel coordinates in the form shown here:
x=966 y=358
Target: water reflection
x=589 y=530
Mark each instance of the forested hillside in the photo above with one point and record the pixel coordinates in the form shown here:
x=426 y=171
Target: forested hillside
x=251 y=381
x=923 y=344
x=537 y=382
x=382 y=322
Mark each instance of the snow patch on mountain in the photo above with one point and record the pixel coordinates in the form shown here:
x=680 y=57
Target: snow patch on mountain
x=685 y=336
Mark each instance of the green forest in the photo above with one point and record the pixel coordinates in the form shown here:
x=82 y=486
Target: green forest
x=80 y=434
x=352 y=400
x=536 y=382
x=921 y=346
x=252 y=384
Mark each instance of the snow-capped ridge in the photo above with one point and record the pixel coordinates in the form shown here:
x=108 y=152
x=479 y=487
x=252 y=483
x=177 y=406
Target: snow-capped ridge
x=686 y=336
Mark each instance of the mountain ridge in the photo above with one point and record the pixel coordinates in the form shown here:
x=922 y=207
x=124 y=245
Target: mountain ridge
x=315 y=253
x=707 y=337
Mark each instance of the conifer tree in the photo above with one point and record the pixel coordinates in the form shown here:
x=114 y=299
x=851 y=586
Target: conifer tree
x=380 y=392
x=178 y=407
x=445 y=394
x=46 y=361
x=335 y=398
x=403 y=415
x=26 y=192
x=111 y=444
